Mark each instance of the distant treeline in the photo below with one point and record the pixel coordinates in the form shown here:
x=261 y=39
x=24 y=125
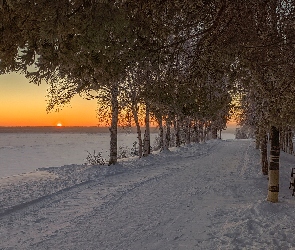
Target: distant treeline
x=53 y=129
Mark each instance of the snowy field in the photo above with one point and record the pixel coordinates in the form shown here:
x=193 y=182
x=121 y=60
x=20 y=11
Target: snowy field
x=203 y=196
x=25 y=152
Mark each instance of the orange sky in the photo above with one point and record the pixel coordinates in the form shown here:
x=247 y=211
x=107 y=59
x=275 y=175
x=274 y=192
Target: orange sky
x=24 y=104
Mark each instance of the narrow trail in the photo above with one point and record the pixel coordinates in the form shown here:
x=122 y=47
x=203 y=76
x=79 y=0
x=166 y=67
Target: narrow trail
x=198 y=201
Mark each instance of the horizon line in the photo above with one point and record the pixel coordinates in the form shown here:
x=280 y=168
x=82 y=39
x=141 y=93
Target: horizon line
x=65 y=126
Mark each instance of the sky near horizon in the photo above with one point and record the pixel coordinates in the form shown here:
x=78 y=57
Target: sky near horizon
x=24 y=104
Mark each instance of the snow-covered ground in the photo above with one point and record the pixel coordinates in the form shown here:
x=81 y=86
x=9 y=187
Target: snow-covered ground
x=25 y=152
x=203 y=196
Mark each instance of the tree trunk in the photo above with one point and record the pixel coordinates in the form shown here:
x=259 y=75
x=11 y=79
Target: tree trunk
x=201 y=131
x=196 y=131
x=177 y=131
x=205 y=131
x=138 y=130
x=287 y=142
x=257 y=139
x=214 y=132
x=274 y=166
x=161 y=132
x=257 y=143
x=291 y=149
x=263 y=153
x=147 y=134
x=114 y=125
x=167 y=136
x=188 y=131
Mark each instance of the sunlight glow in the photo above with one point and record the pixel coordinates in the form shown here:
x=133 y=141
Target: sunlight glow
x=59 y=125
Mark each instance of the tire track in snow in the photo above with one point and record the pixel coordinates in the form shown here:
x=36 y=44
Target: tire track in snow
x=174 y=211
x=33 y=224
x=182 y=200
x=45 y=218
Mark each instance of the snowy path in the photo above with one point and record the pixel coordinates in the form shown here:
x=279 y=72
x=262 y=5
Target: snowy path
x=207 y=196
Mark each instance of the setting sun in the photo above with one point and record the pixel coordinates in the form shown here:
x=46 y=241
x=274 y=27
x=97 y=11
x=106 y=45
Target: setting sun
x=59 y=125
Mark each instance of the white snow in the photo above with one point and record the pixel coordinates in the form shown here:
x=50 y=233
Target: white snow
x=25 y=152
x=202 y=196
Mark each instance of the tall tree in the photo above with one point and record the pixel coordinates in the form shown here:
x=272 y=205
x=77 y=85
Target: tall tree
x=274 y=166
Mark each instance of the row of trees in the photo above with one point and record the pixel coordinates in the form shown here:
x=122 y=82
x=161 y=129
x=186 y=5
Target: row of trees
x=180 y=61
x=120 y=54
x=268 y=84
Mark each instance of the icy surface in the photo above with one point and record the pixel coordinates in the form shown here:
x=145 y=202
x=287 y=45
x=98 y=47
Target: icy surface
x=203 y=196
